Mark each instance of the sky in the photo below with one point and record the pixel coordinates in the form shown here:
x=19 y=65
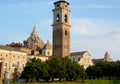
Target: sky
x=95 y=24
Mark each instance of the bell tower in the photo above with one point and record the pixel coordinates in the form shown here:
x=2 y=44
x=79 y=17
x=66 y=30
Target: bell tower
x=61 y=29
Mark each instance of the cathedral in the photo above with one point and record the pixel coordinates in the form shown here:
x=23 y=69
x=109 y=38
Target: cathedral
x=61 y=35
x=14 y=56
x=34 y=45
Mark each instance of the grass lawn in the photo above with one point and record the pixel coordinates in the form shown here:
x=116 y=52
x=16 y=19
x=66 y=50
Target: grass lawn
x=65 y=82
x=103 y=82
x=79 y=82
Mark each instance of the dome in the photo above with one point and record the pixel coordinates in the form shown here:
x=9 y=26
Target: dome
x=47 y=46
x=107 y=57
x=34 y=42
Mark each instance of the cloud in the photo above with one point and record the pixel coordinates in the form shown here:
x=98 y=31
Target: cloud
x=96 y=36
x=116 y=34
x=94 y=28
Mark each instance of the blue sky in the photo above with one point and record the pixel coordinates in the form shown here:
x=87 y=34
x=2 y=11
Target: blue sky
x=95 y=24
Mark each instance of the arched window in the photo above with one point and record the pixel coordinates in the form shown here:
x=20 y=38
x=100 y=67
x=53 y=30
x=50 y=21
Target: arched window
x=6 y=64
x=57 y=5
x=13 y=65
x=66 y=18
x=66 y=32
x=78 y=59
x=65 y=5
x=48 y=53
x=58 y=18
x=31 y=45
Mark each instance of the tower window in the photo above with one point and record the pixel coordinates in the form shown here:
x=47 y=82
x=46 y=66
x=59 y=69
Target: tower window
x=65 y=5
x=66 y=32
x=66 y=18
x=58 y=5
x=58 y=17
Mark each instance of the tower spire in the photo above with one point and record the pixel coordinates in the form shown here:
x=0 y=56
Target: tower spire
x=34 y=33
x=34 y=28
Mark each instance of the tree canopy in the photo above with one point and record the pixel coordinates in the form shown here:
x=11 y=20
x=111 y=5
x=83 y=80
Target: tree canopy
x=102 y=69
x=54 y=68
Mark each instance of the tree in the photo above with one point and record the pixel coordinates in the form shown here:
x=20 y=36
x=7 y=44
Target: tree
x=45 y=72
x=55 y=66
x=104 y=69
x=32 y=70
x=73 y=70
x=51 y=69
x=116 y=70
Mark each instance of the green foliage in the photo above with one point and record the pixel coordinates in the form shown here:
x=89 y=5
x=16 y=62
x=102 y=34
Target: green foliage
x=32 y=70
x=52 y=69
x=73 y=70
x=104 y=69
x=78 y=82
x=45 y=74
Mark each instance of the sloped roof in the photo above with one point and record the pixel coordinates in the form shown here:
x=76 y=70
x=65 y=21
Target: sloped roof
x=2 y=47
x=97 y=60
x=61 y=1
x=78 y=53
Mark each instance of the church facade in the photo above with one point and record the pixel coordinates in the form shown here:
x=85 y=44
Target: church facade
x=83 y=58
